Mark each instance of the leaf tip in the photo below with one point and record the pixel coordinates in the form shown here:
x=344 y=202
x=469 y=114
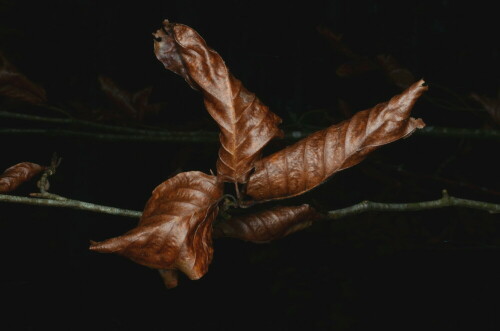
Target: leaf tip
x=418 y=123
x=107 y=246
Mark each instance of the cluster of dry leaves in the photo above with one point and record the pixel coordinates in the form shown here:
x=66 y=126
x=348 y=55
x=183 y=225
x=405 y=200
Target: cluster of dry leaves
x=180 y=220
x=178 y=224
x=124 y=106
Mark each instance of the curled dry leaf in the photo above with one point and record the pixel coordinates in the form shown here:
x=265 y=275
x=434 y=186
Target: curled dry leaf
x=335 y=41
x=175 y=230
x=170 y=277
x=18 y=174
x=246 y=124
x=17 y=86
x=268 y=225
x=306 y=164
x=356 y=67
x=132 y=106
x=491 y=105
x=398 y=75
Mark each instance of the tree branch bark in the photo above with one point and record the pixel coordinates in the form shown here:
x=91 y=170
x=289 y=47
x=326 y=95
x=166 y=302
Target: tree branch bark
x=50 y=201
x=119 y=133
x=362 y=207
x=445 y=201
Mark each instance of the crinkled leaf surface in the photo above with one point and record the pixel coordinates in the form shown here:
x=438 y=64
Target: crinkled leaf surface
x=306 y=164
x=246 y=124
x=18 y=174
x=268 y=225
x=175 y=230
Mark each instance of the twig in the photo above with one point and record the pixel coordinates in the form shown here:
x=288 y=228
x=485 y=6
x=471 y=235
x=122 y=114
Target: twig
x=445 y=201
x=193 y=136
x=190 y=136
x=73 y=204
x=458 y=132
x=206 y=136
x=80 y=123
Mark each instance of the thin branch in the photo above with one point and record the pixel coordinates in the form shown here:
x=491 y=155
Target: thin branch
x=82 y=123
x=458 y=132
x=191 y=136
x=445 y=201
x=206 y=136
x=365 y=206
x=68 y=203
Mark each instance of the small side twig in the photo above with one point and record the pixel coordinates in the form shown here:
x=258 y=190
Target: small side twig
x=43 y=183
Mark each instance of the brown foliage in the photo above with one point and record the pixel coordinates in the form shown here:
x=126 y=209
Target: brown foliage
x=128 y=105
x=175 y=230
x=246 y=124
x=170 y=277
x=398 y=75
x=309 y=162
x=491 y=105
x=268 y=225
x=17 y=86
x=18 y=174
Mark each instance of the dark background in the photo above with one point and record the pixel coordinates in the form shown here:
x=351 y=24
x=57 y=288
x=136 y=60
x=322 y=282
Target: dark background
x=420 y=270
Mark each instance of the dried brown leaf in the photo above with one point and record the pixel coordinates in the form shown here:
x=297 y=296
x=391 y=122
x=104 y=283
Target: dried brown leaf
x=398 y=75
x=175 y=230
x=356 y=67
x=491 y=105
x=170 y=277
x=309 y=162
x=128 y=105
x=268 y=225
x=18 y=174
x=335 y=41
x=246 y=124
x=17 y=86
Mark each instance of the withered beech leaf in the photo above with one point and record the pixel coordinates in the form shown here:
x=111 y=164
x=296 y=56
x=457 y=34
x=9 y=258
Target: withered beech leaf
x=335 y=41
x=309 y=162
x=175 y=230
x=356 y=67
x=268 y=225
x=246 y=124
x=491 y=105
x=129 y=105
x=17 y=86
x=398 y=75
x=18 y=174
x=170 y=277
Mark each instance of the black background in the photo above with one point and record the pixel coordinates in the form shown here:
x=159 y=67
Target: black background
x=420 y=270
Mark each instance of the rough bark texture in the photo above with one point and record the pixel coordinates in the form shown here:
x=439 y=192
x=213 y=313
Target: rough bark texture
x=306 y=164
